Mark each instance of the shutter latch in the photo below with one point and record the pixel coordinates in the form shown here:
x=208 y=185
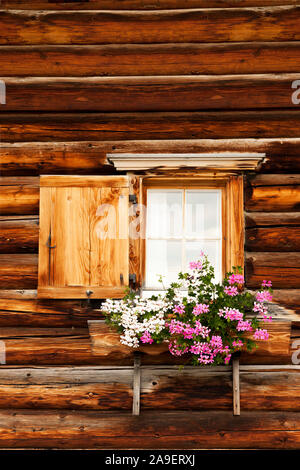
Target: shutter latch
x=89 y=293
x=132 y=281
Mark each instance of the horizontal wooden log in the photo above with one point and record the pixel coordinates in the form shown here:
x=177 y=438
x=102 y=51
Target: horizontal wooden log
x=270 y=219
x=24 y=294
x=288 y=297
x=162 y=387
x=90 y=157
x=137 y=4
x=274 y=180
x=63 y=127
x=273 y=198
x=19 y=234
x=273 y=239
x=19 y=195
x=44 y=350
x=122 y=94
x=15 y=311
x=45 y=346
x=107 y=27
x=283 y=269
x=18 y=271
x=168 y=430
x=166 y=59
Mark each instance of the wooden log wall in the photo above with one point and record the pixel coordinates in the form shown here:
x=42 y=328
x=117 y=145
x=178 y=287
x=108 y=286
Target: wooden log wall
x=84 y=79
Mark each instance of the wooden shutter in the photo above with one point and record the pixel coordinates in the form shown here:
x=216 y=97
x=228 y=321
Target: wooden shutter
x=83 y=244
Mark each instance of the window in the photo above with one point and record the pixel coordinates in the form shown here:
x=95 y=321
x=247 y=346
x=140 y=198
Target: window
x=180 y=223
x=187 y=215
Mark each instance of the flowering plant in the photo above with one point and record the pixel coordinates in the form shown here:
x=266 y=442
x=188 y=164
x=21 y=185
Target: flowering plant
x=203 y=320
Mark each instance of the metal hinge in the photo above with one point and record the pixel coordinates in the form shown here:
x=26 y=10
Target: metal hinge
x=133 y=198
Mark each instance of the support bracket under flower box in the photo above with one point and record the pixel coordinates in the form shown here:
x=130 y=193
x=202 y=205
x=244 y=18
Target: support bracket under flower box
x=137 y=384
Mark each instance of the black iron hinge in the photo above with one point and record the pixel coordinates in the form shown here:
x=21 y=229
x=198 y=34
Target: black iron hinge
x=133 y=198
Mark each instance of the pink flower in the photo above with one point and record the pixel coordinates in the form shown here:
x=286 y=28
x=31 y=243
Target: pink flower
x=176 y=327
x=216 y=342
x=237 y=344
x=195 y=265
x=231 y=290
x=244 y=325
x=201 y=330
x=179 y=309
x=236 y=279
x=200 y=308
x=227 y=359
x=146 y=337
x=266 y=283
x=263 y=296
x=231 y=314
x=203 y=350
x=175 y=349
x=261 y=334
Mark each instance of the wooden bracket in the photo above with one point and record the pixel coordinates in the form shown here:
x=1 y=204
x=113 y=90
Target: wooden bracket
x=136 y=384
x=236 y=385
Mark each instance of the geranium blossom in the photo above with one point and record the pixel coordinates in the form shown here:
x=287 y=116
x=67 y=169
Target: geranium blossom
x=263 y=296
x=244 y=325
x=205 y=321
x=200 y=308
x=261 y=334
x=146 y=337
x=236 y=279
x=231 y=290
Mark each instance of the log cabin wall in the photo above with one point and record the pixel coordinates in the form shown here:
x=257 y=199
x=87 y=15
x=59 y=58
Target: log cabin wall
x=84 y=79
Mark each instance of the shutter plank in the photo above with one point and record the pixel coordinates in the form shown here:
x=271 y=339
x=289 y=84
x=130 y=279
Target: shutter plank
x=45 y=223
x=109 y=237
x=70 y=258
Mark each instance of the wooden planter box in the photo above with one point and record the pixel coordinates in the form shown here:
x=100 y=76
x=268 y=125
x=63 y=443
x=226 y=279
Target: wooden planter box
x=106 y=343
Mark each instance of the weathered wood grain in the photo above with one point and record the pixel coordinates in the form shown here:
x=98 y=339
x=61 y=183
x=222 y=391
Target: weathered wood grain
x=138 y=5
x=269 y=219
x=283 y=269
x=273 y=239
x=168 y=430
x=44 y=313
x=162 y=388
x=125 y=94
x=19 y=234
x=273 y=198
x=149 y=59
x=31 y=158
x=19 y=195
x=107 y=27
x=274 y=180
x=25 y=294
x=18 y=271
x=64 y=127
x=288 y=297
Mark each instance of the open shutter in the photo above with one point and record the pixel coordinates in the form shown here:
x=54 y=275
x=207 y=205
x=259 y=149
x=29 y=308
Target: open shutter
x=83 y=245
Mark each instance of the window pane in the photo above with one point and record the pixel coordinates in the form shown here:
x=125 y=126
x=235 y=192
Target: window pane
x=203 y=214
x=164 y=213
x=163 y=258
x=211 y=248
